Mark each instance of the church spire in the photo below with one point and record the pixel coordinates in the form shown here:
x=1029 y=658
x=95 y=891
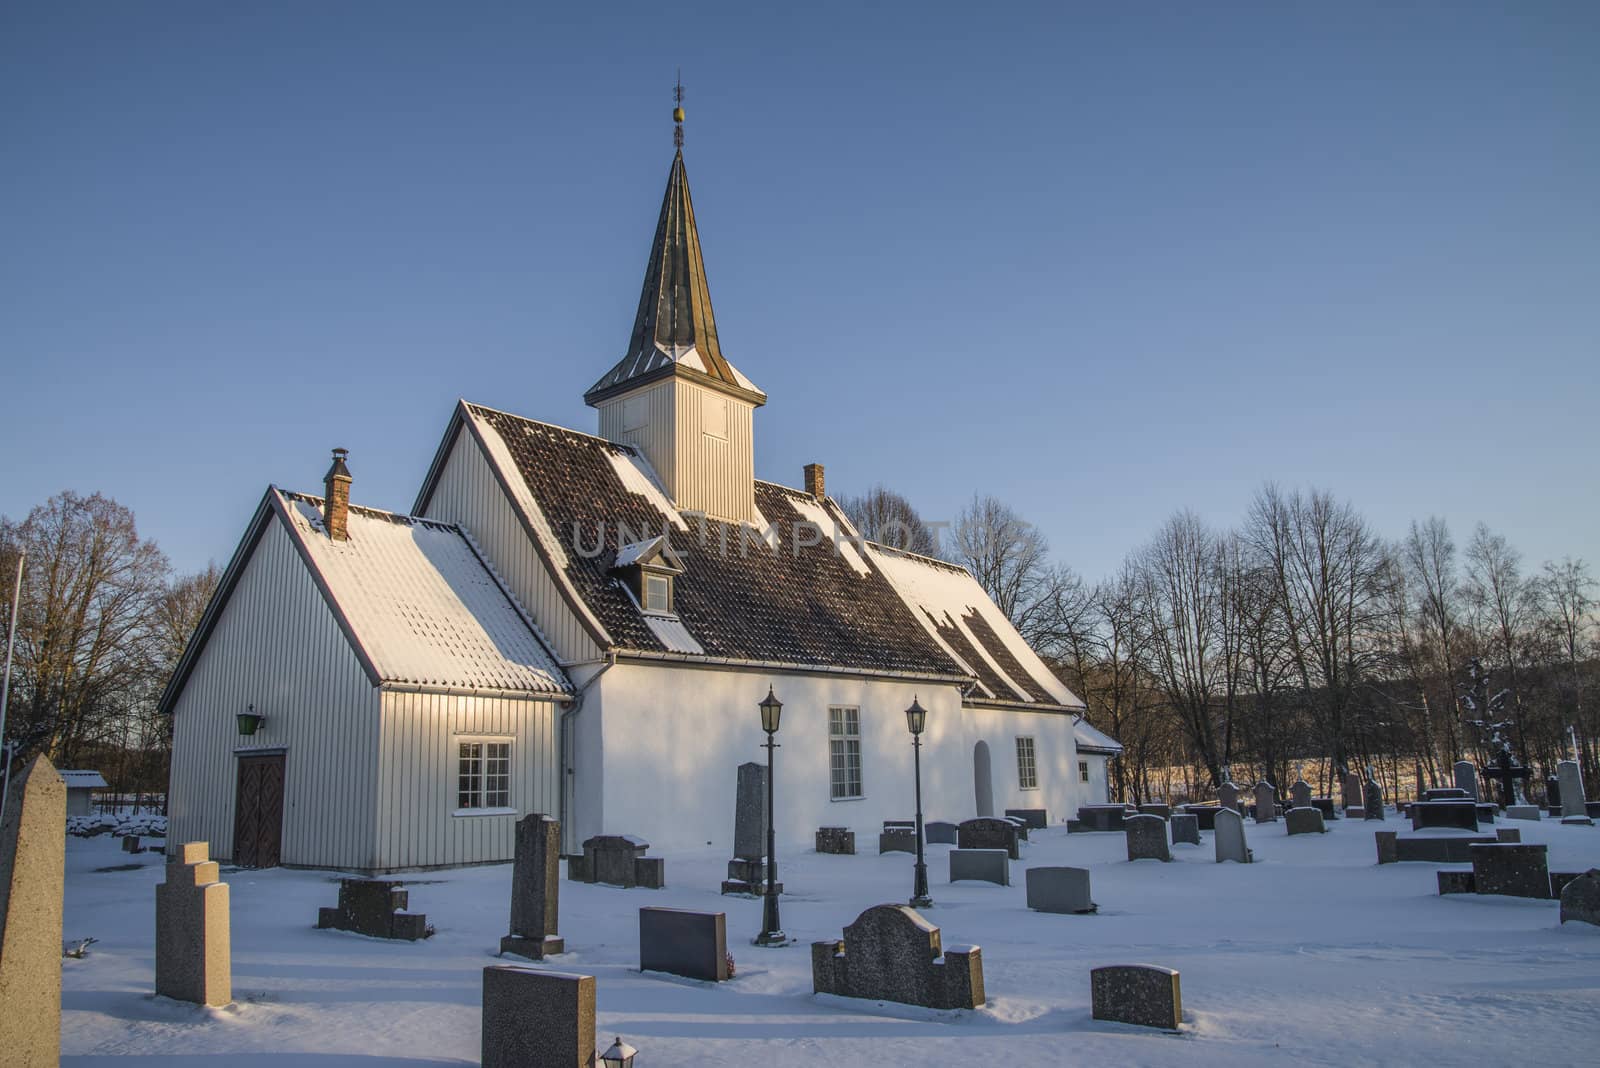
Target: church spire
x=675 y=331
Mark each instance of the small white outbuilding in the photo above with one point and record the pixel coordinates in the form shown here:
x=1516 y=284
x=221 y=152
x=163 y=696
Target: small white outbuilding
x=81 y=786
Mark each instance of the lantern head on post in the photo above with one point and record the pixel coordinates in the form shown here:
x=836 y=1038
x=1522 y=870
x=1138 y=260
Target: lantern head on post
x=620 y=1055
x=771 y=710
x=249 y=721
x=916 y=717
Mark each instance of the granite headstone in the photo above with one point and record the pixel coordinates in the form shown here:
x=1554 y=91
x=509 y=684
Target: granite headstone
x=194 y=959
x=1059 y=889
x=683 y=942
x=1147 y=838
x=1141 y=994
x=1230 y=841
x=1580 y=898
x=535 y=889
x=535 y=1017
x=890 y=953
x=33 y=849
x=1185 y=828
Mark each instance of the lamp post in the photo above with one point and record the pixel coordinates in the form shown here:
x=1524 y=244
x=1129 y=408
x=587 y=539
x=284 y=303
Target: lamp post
x=916 y=719
x=771 y=930
x=620 y=1055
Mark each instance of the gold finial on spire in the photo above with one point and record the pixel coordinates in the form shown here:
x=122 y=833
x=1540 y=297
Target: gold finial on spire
x=677 y=112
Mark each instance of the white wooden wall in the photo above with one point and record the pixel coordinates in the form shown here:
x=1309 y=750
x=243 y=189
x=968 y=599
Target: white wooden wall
x=701 y=472
x=278 y=646
x=468 y=495
x=417 y=779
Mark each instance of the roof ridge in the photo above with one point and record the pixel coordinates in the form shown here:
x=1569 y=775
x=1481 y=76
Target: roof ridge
x=553 y=426
x=949 y=565
x=375 y=513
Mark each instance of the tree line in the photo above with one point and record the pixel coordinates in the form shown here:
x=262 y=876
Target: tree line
x=1299 y=635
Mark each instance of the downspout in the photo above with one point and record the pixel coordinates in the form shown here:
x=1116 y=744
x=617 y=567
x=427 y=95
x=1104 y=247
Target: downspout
x=568 y=716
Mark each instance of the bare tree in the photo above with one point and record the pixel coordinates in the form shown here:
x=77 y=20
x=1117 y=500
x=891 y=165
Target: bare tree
x=1005 y=553
x=884 y=516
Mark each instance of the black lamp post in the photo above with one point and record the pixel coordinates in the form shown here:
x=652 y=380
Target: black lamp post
x=771 y=930
x=916 y=719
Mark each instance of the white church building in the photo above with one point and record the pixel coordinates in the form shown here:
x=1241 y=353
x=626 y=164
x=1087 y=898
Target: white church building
x=583 y=625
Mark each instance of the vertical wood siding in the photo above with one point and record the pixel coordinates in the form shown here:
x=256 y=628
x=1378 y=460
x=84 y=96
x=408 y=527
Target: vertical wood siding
x=469 y=495
x=714 y=475
x=417 y=780
x=278 y=646
x=655 y=437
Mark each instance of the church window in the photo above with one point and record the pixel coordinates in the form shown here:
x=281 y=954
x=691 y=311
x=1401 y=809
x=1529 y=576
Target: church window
x=483 y=775
x=1027 y=769
x=844 y=751
x=1083 y=771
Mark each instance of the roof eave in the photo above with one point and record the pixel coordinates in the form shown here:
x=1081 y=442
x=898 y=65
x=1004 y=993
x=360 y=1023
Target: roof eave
x=599 y=394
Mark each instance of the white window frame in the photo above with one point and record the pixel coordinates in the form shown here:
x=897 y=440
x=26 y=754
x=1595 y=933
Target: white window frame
x=844 y=753
x=1083 y=771
x=647 y=576
x=1027 y=771
x=483 y=794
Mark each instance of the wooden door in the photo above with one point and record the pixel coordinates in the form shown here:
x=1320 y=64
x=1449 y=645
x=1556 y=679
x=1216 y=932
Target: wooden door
x=258 y=812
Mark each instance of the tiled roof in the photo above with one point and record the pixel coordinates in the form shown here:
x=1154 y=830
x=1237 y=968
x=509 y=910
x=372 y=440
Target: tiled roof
x=421 y=603
x=740 y=598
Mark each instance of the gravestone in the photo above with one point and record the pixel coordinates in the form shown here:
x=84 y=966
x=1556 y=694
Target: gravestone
x=1456 y=882
x=1059 y=890
x=1431 y=849
x=1266 y=802
x=940 y=833
x=1228 y=795
x=986 y=832
x=33 y=851
x=1147 y=838
x=1205 y=815
x=1304 y=821
x=193 y=957
x=988 y=865
x=375 y=908
x=1141 y=994
x=897 y=836
x=1229 y=837
x=132 y=844
x=1099 y=818
x=892 y=954
x=535 y=890
x=1466 y=774
x=839 y=841
x=1460 y=815
x=1030 y=817
x=1162 y=811
x=1372 y=809
x=1352 y=799
x=684 y=942
x=750 y=812
x=1300 y=794
x=1446 y=793
x=1185 y=828
x=1580 y=898
x=1511 y=870
x=1325 y=806
x=1572 y=796
x=617 y=860
x=536 y=1017
x=1021 y=826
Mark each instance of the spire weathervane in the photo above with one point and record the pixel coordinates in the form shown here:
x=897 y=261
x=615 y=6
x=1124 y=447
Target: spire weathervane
x=677 y=112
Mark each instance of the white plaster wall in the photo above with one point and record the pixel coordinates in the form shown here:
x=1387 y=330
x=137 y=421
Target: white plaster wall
x=1097 y=791
x=1055 y=760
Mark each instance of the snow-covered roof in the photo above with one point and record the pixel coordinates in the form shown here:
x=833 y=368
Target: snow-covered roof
x=1092 y=740
x=962 y=618
x=421 y=602
x=82 y=780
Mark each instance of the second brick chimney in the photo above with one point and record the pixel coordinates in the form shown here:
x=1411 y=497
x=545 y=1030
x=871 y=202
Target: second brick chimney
x=814 y=484
x=336 y=500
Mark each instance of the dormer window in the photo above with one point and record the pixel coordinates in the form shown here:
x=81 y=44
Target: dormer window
x=647 y=569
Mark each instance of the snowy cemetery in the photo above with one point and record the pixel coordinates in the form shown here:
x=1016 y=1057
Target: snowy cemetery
x=1265 y=923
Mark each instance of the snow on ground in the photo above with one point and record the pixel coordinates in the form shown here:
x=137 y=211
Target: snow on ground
x=1314 y=953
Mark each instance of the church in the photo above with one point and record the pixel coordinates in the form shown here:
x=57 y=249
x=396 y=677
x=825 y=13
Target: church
x=584 y=624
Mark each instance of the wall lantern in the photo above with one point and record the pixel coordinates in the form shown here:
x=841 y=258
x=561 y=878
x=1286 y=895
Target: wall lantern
x=620 y=1055
x=250 y=721
x=771 y=710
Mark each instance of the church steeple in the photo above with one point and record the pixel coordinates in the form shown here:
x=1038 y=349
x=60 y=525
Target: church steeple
x=675 y=330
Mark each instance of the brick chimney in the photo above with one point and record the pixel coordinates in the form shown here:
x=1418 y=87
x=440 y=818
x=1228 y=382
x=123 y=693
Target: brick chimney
x=814 y=481
x=336 y=503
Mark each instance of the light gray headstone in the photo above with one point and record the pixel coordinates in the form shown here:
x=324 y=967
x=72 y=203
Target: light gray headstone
x=1228 y=795
x=1266 y=803
x=1059 y=890
x=33 y=850
x=1572 y=798
x=1373 y=809
x=1467 y=777
x=1304 y=821
x=1147 y=838
x=750 y=813
x=1185 y=828
x=1352 y=790
x=988 y=865
x=1229 y=837
x=940 y=833
x=535 y=889
x=194 y=960
x=537 y=1017
x=1300 y=794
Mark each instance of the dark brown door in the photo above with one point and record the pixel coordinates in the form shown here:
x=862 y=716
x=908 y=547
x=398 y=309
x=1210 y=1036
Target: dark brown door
x=258 y=812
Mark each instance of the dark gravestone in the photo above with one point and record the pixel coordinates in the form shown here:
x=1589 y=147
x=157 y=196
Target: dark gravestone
x=986 y=865
x=1455 y=849
x=1266 y=803
x=1324 y=805
x=1373 y=808
x=1147 y=838
x=746 y=877
x=1458 y=815
x=836 y=840
x=750 y=812
x=131 y=844
x=1304 y=821
x=1466 y=774
x=536 y=1018
x=1059 y=890
x=1030 y=817
x=1447 y=793
x=535 y=890
x=1580 y=898
x=1185 y=828
x=898 y=836
x=1140 y=994
x=683 y=942
x=940 y=833
x=1352 y=792
x=1205 y=815
x=1511 y=870
x=618 y=860
x=1101 y=817
x=1020 y=824
x=1456 y=882
x=1508 y=835
x=1559 y=880
x=986 y=832
x=376 y=908
x=1162 y=811
x=892 y=954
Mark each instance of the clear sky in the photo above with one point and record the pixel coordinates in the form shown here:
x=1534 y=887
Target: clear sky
x=1102 y=260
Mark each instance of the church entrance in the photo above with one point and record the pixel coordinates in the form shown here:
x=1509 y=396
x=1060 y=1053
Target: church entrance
x=258 y=812
x=982 y=784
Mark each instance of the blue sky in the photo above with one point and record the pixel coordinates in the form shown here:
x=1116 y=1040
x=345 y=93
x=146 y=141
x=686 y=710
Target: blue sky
x=1101 y=260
